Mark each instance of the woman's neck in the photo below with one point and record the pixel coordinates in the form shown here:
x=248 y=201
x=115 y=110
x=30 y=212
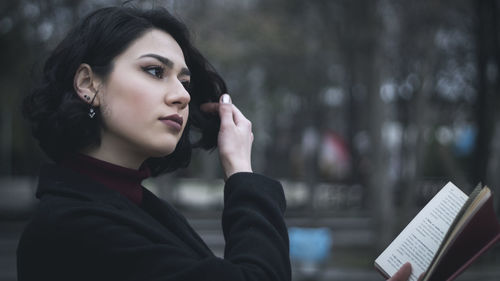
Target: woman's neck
x=114 y=156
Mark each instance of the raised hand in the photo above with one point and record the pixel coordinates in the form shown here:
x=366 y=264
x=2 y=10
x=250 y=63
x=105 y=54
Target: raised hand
x=235 y=136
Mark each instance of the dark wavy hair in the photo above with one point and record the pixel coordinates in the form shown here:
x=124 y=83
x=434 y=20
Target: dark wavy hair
x=59 y=118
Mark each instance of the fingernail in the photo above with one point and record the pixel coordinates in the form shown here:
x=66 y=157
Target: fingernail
x=225 y=98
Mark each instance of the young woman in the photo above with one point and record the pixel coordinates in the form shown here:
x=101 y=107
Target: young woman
x=117 y=101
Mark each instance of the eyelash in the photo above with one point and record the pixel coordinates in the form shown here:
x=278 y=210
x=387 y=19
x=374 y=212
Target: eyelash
x=160 y=71
x=158 y=68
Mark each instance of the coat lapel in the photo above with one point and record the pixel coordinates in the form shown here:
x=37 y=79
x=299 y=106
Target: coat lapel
x=175 y=222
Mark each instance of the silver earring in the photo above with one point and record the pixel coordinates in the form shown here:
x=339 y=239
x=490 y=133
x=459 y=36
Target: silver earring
x=91 y=109
x=91 y=113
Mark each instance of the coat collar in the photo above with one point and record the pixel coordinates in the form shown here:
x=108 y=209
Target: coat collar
x=55 y=179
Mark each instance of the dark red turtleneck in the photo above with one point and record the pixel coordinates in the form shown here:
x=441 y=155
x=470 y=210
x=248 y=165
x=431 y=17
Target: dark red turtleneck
x=124 y=180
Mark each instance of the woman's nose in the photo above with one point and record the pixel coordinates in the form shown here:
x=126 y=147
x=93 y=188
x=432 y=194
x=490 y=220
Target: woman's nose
x=178 y=95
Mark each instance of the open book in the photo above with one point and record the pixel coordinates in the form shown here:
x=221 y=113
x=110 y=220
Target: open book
x=445 y=237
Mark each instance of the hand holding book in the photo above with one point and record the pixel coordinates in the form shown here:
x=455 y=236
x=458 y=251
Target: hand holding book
x=450 y=232
x=402 y=274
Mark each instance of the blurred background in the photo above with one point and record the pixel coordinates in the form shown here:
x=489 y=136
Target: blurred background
x=363 y=109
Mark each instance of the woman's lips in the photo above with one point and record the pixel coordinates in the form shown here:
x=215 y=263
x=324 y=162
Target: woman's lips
x=173 y=121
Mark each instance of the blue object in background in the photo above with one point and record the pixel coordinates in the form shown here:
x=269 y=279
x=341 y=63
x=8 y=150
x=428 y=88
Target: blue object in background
x=309 y=245
x=465 y=140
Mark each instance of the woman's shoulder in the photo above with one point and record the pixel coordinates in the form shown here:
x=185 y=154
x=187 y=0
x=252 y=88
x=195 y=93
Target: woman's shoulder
x=58 y=216
x=71 y=203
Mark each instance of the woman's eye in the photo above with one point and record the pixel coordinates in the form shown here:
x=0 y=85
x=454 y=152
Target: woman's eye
x=156 y=71
x=186 y=85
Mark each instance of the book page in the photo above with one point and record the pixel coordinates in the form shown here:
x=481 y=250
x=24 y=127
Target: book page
x=420 y=240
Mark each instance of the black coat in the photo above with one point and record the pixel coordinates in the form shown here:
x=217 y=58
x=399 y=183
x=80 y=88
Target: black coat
x=85 y=231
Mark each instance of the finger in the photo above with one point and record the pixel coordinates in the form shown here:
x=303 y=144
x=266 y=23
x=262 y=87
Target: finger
x=210 y=107
x=226 y=111
x=403 y=273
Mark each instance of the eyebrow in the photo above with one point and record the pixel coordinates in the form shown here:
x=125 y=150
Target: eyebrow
x=167 y=62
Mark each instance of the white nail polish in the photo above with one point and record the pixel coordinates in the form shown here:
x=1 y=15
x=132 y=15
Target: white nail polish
x=226 y=98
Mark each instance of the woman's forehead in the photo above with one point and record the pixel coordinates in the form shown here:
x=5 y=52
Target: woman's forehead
x=159 y=43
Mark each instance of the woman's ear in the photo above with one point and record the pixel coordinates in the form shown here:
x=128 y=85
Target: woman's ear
x=85 y=84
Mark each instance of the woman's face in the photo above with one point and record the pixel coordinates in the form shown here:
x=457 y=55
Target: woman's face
x=144 y=101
